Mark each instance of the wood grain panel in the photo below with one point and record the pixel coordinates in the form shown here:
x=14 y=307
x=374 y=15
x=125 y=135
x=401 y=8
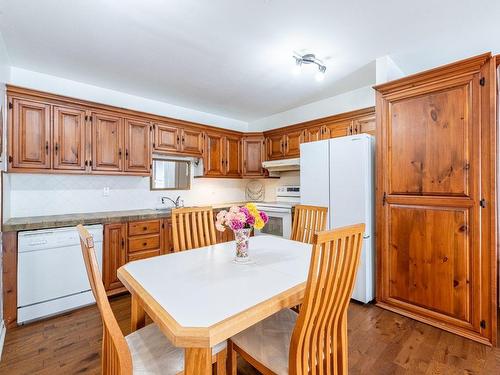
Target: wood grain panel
x=253 y=156
x=166 y=137
x=137 y=146
x=192 y=142
x=338 y=129
x=30 y=145
x=214 y=155
x=141 y=243
x=137 y=228
x=114 y=254
x=275 y=146
x=107 y=142
x=430 y=259
x=420 y=126
x=232 y=156
x=292 y=143
x=69 y=138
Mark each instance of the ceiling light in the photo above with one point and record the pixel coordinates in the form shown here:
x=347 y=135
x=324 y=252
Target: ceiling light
x=307 y=59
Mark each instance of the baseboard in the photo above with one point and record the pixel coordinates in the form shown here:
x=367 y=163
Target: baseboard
x=3 y=331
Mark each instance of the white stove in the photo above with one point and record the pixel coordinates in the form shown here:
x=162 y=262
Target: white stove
x=280 y=211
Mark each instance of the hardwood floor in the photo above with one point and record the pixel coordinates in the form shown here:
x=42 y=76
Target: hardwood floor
x=380 y=342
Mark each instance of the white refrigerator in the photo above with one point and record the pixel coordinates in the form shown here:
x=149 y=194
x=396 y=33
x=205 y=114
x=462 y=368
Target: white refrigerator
x=338 y=173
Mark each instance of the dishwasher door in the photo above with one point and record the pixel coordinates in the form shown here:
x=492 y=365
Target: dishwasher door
x=51 y=272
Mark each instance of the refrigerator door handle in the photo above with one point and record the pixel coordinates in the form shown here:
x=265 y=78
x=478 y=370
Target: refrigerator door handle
x=366 y=236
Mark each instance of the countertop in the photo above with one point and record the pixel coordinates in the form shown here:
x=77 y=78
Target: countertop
x=67 y=220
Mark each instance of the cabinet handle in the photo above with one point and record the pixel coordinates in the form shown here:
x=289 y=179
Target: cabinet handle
x=144 y=228
x=177 y=139
x=183 y=140
x=144 y=244
x=86 y=163
x=47 y=147
x=120 y=152
x=123 y=243
x=126 y=154
x=56 y=148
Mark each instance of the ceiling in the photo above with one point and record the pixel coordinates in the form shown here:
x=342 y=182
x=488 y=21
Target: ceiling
x=233 y=57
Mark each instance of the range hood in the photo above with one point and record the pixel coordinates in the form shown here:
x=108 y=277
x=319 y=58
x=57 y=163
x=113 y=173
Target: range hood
x=285 y=165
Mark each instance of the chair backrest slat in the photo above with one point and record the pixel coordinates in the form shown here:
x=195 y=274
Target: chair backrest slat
x=319 y=340
x=193 y=227
x=116 y=358
x=307 y=221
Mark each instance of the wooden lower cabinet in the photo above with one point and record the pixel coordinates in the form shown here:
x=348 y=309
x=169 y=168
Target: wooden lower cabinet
x=436 y=222
x=126 y=242
x=114 y=255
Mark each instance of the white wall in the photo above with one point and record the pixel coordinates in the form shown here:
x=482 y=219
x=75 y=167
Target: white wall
x=387 y=70
x=79 y=90
x=4 y=77
x=349 y=101
x=36 y=195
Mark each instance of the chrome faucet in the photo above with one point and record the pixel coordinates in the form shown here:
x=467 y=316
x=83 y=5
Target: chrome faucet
x=177 y=203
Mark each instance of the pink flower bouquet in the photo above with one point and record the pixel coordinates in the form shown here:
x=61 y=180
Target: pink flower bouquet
x=246 y=217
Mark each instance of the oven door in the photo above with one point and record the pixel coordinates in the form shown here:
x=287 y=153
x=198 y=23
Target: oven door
x=279 y=224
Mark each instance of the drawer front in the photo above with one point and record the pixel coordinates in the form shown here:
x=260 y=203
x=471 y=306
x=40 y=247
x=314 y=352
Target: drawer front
x=143 y=255
x=143 y=243
x=138 y=228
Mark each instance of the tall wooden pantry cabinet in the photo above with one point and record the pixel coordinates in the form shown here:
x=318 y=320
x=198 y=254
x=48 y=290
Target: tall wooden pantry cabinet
x=436 y=197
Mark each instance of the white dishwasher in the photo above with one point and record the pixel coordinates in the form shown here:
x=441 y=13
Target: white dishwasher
x=51 y=274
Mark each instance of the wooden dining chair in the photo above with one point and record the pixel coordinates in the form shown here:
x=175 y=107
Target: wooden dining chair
x=145 y=351
x=307 y=221
x=193 y=227
x=315 y=340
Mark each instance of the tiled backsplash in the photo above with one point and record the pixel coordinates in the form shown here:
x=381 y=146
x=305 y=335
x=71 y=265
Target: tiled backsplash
x=37 y=194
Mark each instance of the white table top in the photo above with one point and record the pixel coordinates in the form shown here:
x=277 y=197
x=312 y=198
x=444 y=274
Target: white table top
x=202 y=287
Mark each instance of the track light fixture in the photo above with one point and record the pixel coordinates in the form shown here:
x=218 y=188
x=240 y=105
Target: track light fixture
x=309 y=58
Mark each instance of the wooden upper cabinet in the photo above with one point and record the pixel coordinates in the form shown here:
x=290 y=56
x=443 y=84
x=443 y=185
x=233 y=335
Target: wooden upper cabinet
x=137 y=146
x=69 y=138
x=107 y=142
x=364 y=125
x=31 y=141
x=314 y=133
x=253 y=156
x=191 y=142
x=214 y=163
x=338 y=129
x=292 y=143
x=436 y=219
x=275 y=146
x=167 y=138
x=232 y=156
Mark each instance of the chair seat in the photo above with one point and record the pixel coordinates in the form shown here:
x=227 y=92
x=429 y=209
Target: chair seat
x=268 y=341
x=153 y=353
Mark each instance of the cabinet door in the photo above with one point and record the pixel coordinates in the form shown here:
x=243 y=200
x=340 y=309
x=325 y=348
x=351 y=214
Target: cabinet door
x=137 y=146
x=69 y=138
x=313 y=134
x=214 y=155
x=435 y=246
x=275 y=146
x=31 y=138
x=166 y=138
x=107 y=143
x=253 y=156
x=114 y=254
x=232 y=156
x=292 y=143
x=364 y=125
x=338 y=129
x=192 y=142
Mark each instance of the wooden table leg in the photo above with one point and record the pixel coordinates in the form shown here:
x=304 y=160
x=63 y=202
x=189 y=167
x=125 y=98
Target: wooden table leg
x=137 y=316
x=198 y=361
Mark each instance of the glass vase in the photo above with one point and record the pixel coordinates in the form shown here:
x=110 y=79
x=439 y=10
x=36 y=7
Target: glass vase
x=241 y=237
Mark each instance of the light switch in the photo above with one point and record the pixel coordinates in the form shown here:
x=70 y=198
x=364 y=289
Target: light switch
x=105 y=191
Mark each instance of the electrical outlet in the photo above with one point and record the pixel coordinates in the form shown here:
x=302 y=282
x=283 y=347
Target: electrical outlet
x=105 y=191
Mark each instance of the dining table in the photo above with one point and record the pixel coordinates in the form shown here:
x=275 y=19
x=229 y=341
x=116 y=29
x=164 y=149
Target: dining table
x=201 y=297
